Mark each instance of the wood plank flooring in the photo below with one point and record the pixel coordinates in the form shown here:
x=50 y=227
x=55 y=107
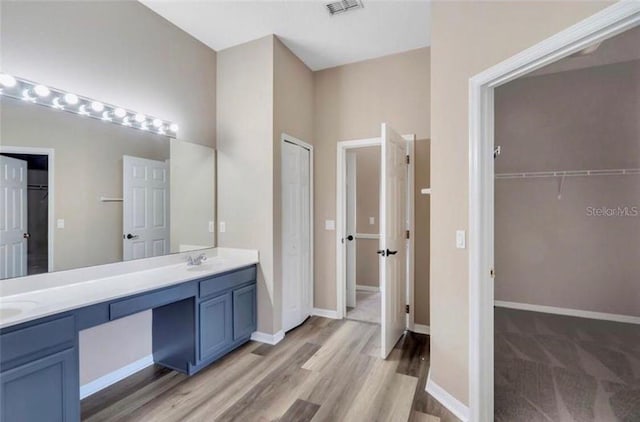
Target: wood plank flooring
x=324 y=370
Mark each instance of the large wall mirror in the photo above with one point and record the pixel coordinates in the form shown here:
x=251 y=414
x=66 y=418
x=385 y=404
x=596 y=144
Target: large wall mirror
x=78 y=192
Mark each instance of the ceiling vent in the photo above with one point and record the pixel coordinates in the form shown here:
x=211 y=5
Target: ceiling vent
x=344 y=6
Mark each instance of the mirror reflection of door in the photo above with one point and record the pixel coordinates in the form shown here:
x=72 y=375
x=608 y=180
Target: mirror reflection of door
x=145 y=208
x=24 y=225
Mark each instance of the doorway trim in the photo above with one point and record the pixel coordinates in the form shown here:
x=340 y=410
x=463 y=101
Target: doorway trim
x=284 y=137
x=341 y=210
x=50 y=153
x=610 y=21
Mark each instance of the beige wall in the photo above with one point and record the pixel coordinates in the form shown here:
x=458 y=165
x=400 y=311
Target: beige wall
x=245 y=160
x=423 y=231
x=550 y=251
x=367 y=205
x=121 y=53
x=468 y=37
x=192 y=178
x=293 y=115
x=351 y=102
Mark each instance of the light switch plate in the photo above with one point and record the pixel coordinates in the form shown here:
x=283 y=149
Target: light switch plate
x=60 y=223
x=223 y=227
x=211 y=227
x=372 y=220
x=460 y=239
x=329 y=224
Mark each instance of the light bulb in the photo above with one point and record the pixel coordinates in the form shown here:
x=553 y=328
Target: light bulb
x=106 y=116
x=119 y=112
x=56 y=103
x=157 y=122
x=173 y=127
x=41 y=91
x=82 y=110
x=71 y=99
x=97 y=106
x=7 y=80
x=140 y=118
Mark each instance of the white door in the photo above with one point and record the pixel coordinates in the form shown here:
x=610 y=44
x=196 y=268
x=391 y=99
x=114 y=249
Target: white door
x=393 y=226
x=296 y=235
x=13 y=217
x=349 y=240
x=145 y=208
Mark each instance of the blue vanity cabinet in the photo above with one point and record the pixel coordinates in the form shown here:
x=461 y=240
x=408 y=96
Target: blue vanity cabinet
x=215 y=326
x=39 y=378
x=244 y=312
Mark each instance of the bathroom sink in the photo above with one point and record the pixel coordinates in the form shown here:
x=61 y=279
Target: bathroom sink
x=11 y=308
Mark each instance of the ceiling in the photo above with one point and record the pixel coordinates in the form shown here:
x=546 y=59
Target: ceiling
x=306 y=27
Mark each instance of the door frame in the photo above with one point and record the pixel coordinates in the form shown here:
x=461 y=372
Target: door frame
x=50 y=153
x=284 y=137
x=610 y=21
x=341 y=212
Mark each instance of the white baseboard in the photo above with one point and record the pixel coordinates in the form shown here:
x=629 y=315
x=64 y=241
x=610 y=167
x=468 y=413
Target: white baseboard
x=271 y=339
x=115 y=376
x=421 y=329
x=447 y=400
x=569 y=312
x=367 y=288
x=326 y=313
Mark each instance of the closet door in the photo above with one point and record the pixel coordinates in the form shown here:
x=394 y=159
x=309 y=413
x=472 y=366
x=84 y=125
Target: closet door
x=296 y=235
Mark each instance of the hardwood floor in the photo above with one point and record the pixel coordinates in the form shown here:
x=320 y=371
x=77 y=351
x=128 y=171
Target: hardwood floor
x=324 y=370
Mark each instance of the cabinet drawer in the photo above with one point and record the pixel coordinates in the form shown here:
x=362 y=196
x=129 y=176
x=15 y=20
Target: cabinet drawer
x=149 y=301
x=227 y=281
x=37 y=338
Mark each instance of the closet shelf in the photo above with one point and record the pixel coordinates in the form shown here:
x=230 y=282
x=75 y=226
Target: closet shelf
x=568 y=173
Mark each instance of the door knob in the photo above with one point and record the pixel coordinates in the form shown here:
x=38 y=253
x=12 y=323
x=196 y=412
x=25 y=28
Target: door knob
x=131 y=236
x=350 y=238
x=26 y=235
x=382 y=252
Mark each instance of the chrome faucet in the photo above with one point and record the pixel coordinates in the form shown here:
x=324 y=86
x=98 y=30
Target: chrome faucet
x=197 y=260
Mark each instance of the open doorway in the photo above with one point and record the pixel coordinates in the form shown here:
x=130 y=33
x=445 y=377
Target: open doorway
x=27 y=239
x=395 y=246
x=363 y=234
x=578 y=41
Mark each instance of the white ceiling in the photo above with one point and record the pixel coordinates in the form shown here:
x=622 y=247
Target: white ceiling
x=320 y=40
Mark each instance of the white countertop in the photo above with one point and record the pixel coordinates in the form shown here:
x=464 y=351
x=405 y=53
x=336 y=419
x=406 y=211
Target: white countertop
x=27 y=298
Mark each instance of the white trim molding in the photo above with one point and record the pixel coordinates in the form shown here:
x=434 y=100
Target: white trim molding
x=271 y=339
x=326 y=313
x=373 y=236
x=447 y=400
x=365 y=288
x=421 y=329
x=605 y=24
x=115 y=376
x=629 y=319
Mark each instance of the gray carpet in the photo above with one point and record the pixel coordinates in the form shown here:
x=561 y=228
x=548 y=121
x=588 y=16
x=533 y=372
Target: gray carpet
x=558 y=368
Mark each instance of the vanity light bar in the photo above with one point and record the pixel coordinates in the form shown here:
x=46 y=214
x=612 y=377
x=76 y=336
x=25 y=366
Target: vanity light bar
x=32 y=92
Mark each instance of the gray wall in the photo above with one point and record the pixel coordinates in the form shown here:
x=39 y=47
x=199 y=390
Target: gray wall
x=121 y=53
x=367 y=205
x=550 y=251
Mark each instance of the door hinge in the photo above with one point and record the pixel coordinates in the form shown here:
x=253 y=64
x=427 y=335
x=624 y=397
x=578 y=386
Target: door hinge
x=408 y=159
x=492 y=272
x=408 y=234
x=407 y=308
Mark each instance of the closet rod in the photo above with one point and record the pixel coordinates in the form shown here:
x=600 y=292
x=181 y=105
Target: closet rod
x=567 y=173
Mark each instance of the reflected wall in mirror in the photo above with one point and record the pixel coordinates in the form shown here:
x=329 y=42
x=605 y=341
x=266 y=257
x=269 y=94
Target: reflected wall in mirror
x=78 y=192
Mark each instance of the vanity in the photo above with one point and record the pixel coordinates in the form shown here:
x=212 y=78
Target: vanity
x=200 y=313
